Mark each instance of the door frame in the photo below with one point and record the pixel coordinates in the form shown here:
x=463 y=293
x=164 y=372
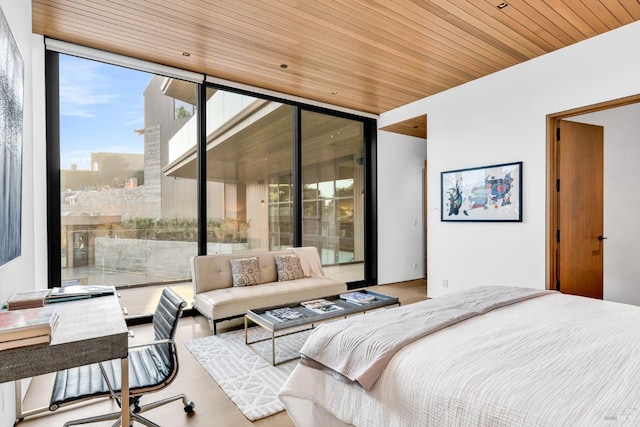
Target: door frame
x=552 y=175
x=425 y=230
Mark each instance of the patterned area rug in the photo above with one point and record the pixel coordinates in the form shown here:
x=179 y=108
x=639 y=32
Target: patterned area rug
x=250 y=382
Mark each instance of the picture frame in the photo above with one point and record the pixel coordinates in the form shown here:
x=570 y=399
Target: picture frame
x=482 y=194
x=11 y=130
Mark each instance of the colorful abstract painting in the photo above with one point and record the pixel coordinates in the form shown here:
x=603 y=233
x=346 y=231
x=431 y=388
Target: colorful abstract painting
x=11 y=122
x=488 y=193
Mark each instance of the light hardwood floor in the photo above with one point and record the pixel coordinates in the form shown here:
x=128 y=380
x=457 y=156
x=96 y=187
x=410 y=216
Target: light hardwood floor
x=213 y=408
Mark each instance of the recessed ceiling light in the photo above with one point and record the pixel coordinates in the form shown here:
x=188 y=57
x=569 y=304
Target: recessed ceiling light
x=186 y=54
x=502 y=5
x=283 y=66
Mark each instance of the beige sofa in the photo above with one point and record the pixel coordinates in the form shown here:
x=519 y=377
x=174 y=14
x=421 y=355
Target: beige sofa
x=217 y=299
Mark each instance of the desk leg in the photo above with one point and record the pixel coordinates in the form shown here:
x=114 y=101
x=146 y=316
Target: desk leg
x=124 y=382
x=20 y=412
x=18 y=389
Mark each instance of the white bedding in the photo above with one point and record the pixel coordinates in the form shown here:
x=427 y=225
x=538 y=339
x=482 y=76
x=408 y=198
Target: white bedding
x=555 y=360
x=360 y=349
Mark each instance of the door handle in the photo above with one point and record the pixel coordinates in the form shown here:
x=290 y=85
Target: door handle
x=601 y=238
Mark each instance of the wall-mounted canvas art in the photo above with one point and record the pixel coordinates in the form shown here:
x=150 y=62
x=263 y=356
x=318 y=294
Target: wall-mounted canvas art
x=487 y=193
x=11 y=118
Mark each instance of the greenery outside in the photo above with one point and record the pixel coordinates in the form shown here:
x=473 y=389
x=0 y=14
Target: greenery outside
x=183 y=230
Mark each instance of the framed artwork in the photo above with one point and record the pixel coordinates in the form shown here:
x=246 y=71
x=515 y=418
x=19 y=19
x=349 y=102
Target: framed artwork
x=487 y=193
x=11 y=119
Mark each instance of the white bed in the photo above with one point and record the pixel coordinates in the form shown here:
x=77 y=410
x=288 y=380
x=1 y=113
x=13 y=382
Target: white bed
x=553 y=360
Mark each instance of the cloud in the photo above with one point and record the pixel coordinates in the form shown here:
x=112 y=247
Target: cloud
x=83 y=85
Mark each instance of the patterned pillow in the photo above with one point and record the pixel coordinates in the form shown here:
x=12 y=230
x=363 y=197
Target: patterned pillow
x=246 y=271
x=289 y=267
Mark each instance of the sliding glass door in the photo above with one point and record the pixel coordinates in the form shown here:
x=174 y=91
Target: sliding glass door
x=333 y=192
x=133 y=203
x=248 y=174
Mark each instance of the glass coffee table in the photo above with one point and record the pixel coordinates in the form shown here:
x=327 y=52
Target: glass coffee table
x=282 y=320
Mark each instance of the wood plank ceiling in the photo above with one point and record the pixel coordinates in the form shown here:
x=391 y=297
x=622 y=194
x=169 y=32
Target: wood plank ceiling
x=366 y=55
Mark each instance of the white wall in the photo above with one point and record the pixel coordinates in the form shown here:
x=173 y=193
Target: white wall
x=19 y=274
x=621 y=204
x=400 y=200
x=502 y=118
x=38 y=171
x=29 y=271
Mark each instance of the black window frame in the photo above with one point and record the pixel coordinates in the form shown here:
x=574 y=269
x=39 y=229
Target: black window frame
x=54 y=268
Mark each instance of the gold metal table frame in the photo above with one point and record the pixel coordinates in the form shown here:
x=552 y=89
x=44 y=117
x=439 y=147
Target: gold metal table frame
x=281 y=329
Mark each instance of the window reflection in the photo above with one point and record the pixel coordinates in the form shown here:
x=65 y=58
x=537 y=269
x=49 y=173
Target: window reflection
x=333 y=206
x=128 y=204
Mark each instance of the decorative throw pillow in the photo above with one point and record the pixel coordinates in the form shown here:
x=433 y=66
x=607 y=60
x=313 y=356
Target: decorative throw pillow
x=289 y=267
x=245 y=271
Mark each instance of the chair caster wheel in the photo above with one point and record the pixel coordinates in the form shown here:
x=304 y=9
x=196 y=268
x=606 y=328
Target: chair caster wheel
x=188 y=408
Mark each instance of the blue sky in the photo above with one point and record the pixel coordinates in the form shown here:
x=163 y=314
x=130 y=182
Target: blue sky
x=100 y=108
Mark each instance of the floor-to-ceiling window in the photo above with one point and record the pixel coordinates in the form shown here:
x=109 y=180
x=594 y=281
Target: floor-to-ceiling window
x=333 y=192
x=250 y=146
x=248 y=172
x=125 y=154
x=121 y=216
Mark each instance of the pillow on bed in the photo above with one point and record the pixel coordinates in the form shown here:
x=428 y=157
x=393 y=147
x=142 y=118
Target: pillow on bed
x=245 y=271
x=289 y=267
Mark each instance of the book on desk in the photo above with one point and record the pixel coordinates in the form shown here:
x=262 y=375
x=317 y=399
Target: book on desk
x=30 y=318
x=30 y=326
x=73 y=292
x=40 y=298
x=24 y=300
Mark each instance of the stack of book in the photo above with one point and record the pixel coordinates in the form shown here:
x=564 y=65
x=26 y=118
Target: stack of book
x=20 y=328
x=321 y=306
x=28 y=300
x=358 y=297
x=40 y=298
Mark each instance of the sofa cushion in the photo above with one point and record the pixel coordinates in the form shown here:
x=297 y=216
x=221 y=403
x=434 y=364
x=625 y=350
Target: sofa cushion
x=222 y=303
x=245 y=271
x=214 y=271
x=288 y=267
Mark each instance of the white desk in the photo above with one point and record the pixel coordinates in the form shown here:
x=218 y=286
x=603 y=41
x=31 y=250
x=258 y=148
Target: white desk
x=89 y=331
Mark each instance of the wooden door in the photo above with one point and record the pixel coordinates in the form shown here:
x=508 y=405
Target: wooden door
x=580 y=240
